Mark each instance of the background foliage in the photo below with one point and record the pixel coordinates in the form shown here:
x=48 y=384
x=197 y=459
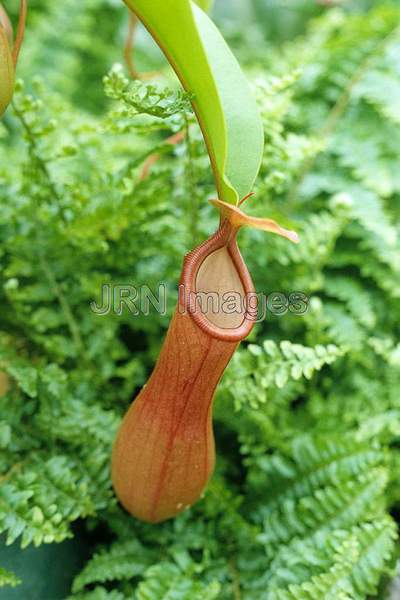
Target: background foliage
x=305 y=498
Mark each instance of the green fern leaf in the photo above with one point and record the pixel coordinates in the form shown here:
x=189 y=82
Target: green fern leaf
x=123 y=561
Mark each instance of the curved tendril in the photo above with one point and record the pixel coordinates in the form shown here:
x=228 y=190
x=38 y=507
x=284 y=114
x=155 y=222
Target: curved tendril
x=128 y=49
x=20 y=30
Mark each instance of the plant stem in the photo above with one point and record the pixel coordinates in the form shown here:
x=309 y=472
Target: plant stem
x=152 y=158
x=235 y=580
x=36 y=156
x=129 y=50
x=65 y=306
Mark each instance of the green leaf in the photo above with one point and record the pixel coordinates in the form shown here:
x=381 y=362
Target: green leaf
x=26 y=378
x=223 y=103
x=245 y=138
x=205 y=4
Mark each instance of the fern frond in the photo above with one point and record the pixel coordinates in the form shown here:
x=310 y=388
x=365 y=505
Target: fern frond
x=381 y=235
x=39 y=500
x=359 y=555
x=334 y=562
x=377 y=542
x=8 y=578
x=318 y=237
x=314 y=462
x=380 y=89
x=253 y=372
x=165 y=580
x=337 y=323
x=76 y=421
x=143 y=98
x=330 y=507
x=122 y=561
x=100 y=593
x=356 y=298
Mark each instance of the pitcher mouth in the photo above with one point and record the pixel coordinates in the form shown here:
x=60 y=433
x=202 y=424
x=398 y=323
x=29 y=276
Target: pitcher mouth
x=231 y=326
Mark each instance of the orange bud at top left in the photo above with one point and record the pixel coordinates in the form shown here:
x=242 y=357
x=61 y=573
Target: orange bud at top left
x=6 y=23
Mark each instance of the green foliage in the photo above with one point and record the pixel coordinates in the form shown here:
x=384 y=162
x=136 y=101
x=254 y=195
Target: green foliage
x=7 y=578
x=257 y=370
x=122 y=561
x=101 y=593
x=140 y=98
x=335 y=565
x=306 y=494
x=166 y=580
